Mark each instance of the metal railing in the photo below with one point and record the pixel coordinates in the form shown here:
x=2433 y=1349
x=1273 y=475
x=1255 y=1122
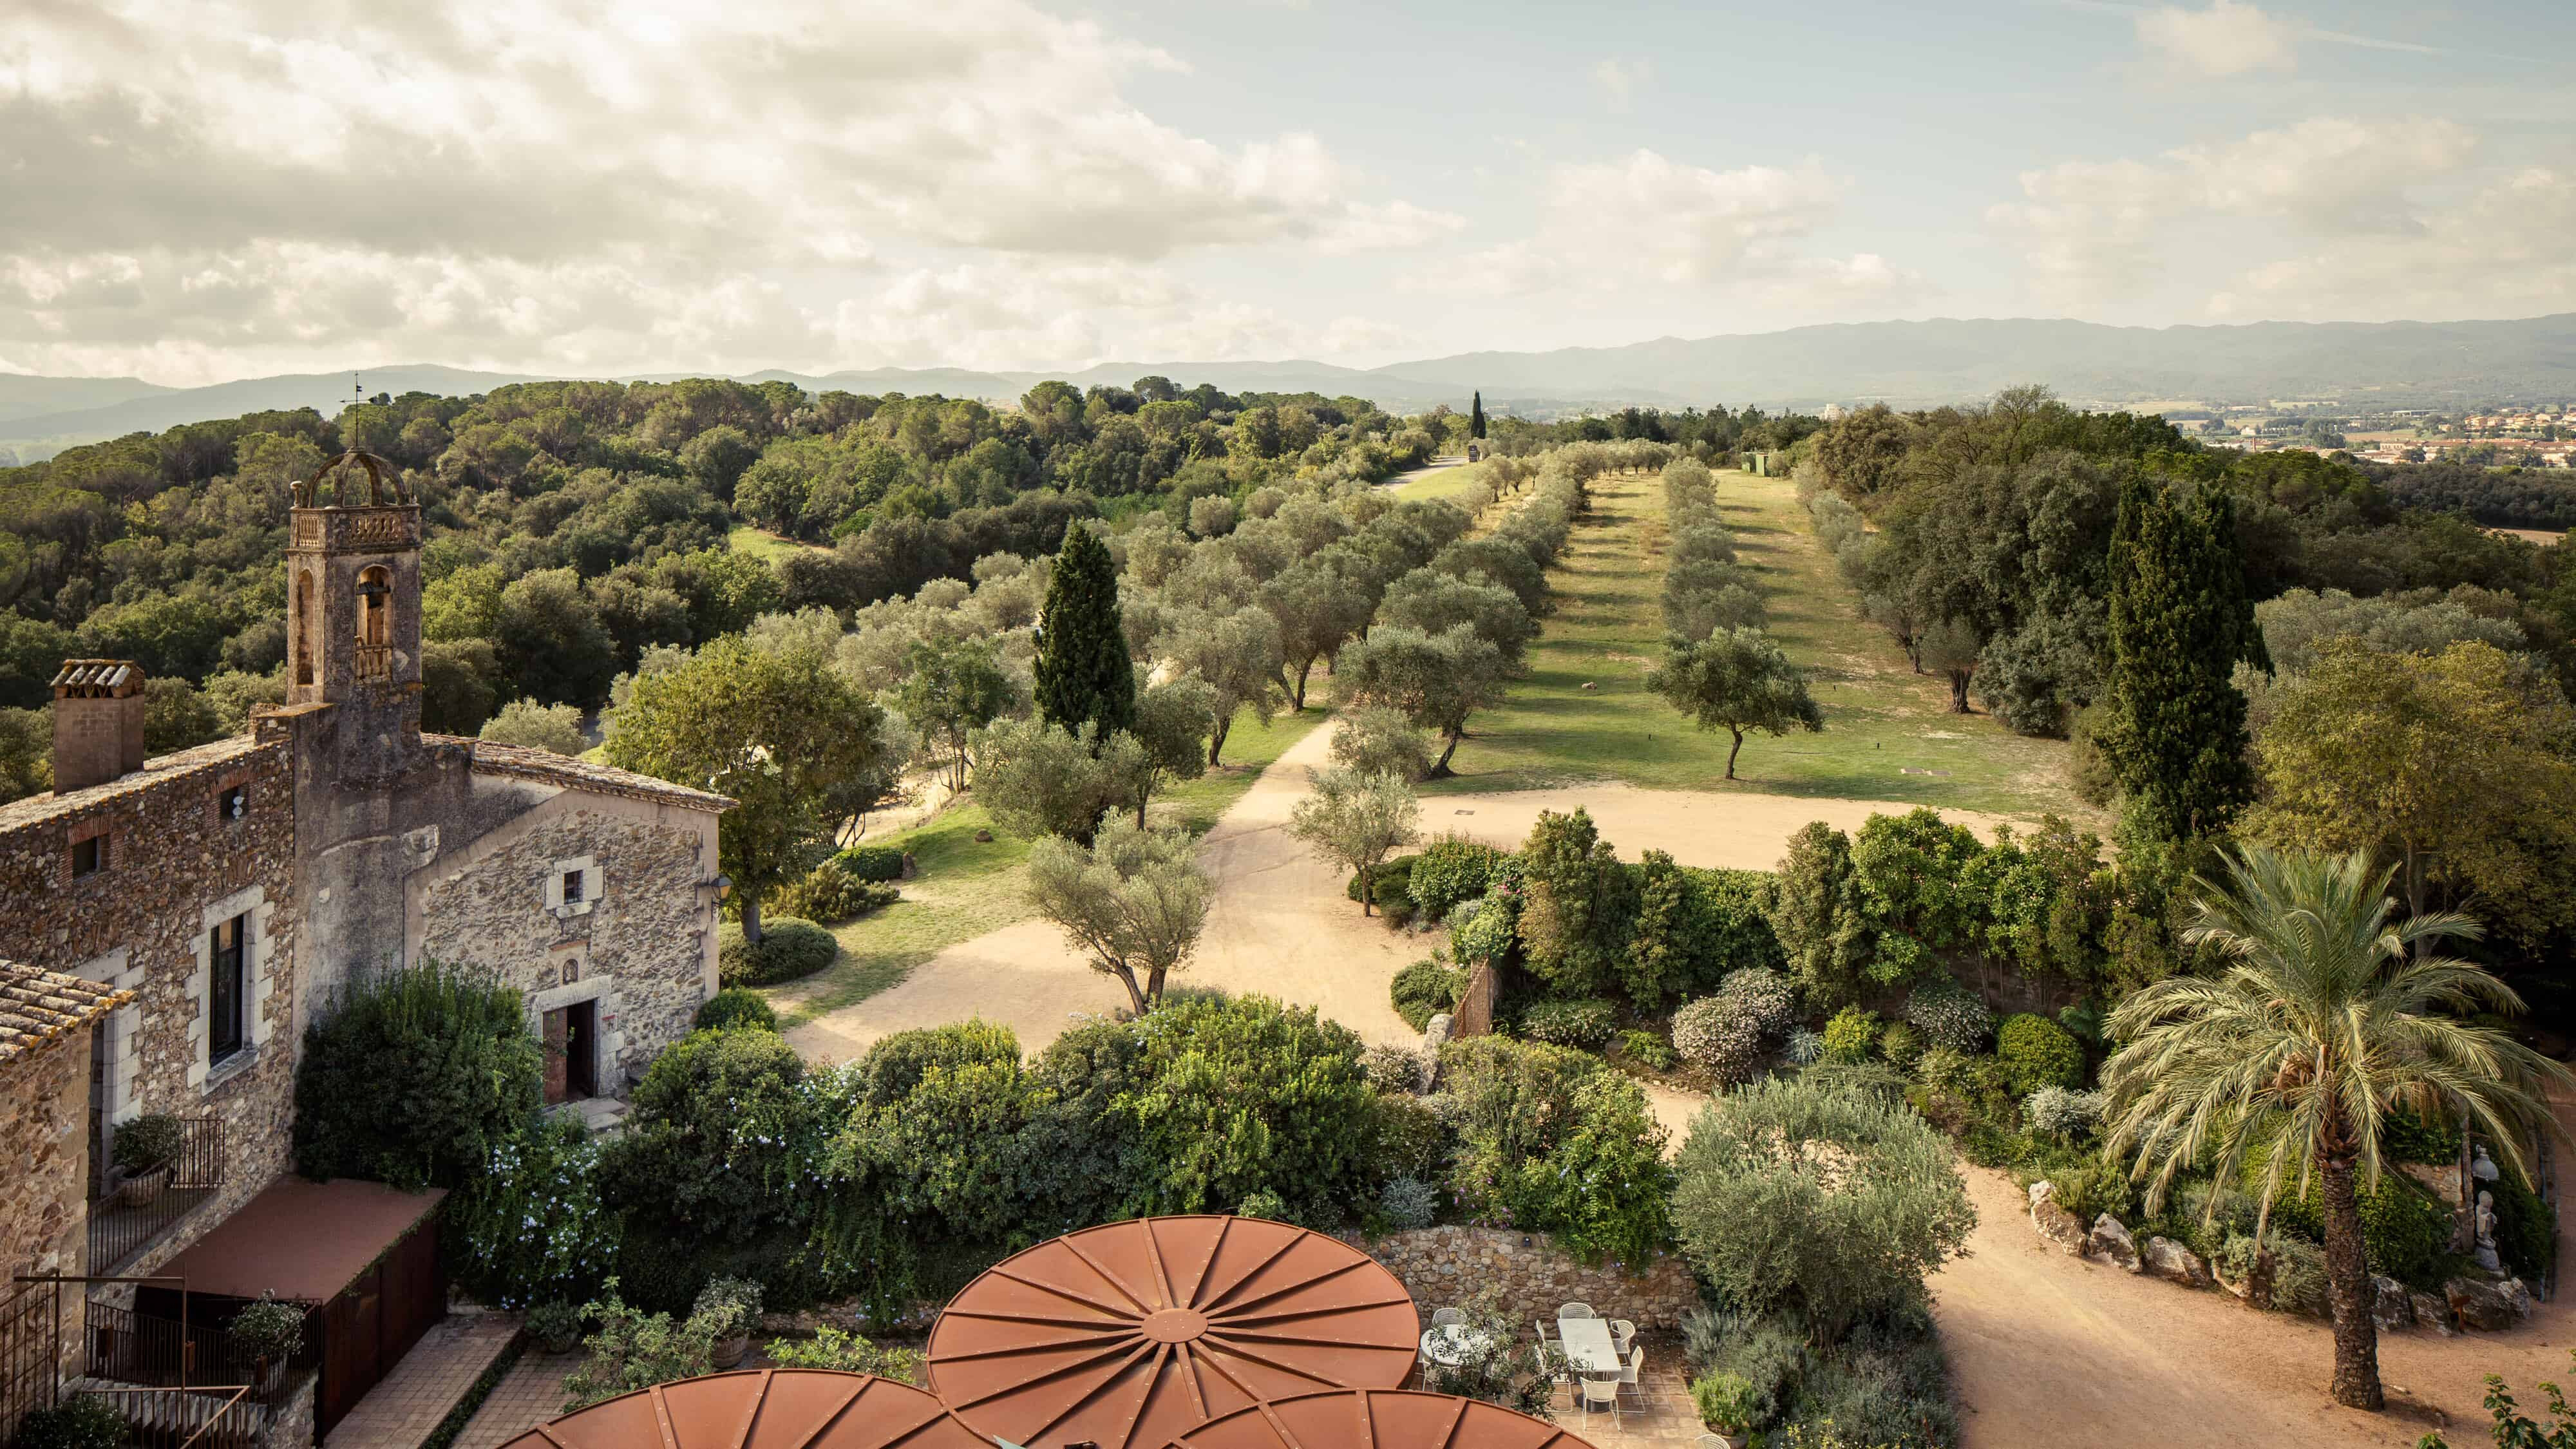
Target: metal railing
x=121 y=1227
x=31 y=1351
x=145 y=1349
x=207 y=1417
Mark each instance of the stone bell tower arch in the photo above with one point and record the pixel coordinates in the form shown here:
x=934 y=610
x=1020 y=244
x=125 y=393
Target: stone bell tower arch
x=353 y=610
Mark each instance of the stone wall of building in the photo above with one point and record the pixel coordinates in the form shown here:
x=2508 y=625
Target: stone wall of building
x=44 y=1138
x=638 y=942
x=177 y=863
x=1446 y=1267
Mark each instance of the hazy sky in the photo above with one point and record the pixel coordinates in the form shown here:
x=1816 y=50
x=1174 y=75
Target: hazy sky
x=203 y=189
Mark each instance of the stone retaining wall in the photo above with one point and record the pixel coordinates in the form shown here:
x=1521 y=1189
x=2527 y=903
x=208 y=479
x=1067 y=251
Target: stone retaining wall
x=1447 y=1266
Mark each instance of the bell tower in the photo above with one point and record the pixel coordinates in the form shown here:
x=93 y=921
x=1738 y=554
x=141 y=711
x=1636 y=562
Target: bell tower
x=353 y=609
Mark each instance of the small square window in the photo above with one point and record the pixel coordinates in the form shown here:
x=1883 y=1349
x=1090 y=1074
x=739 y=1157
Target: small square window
x=572 y=888
x=88 y=855
x=232 y=802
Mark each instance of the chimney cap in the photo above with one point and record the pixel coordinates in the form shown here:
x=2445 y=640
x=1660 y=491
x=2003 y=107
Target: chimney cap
x=98 y=679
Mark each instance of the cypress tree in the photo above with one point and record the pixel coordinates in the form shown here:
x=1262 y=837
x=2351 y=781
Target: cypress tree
x=2180 y=621
x=1083 y=672
x=1476 y=415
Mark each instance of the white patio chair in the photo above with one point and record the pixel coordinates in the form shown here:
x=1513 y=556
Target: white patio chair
x=1633 y=1377
x=1575 y=1310
x=1545 y=1334
x=1622 y=1334
x=1601 y=1393
x=1443 y=1317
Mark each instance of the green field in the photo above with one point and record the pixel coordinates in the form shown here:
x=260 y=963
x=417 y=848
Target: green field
x=762 y=544
x=967 y=888
x=1881 y=719
x=1446 y=483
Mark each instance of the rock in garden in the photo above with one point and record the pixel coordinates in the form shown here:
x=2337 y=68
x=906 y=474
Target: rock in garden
x=2479 y=1306
x=2054 y=1222
x=2516 y=1296
x=2175 y=1263
x=2111 y=1240
x=2431 y=1311
x=2390 y=1307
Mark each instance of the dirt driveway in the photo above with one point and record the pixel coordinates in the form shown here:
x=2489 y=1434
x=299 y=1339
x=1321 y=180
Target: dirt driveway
x=2050 y=1349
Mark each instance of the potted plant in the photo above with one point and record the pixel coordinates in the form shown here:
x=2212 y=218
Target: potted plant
x=1725 y=1405
x=556 y=1326
x=265 y=1334
x=146 y=1150
x=725 y=1311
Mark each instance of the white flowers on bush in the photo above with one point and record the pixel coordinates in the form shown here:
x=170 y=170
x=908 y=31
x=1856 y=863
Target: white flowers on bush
x=1727 y=1033
x=1408 y=1202
x=2063 y=1113
x=1392 y=1068
x=1949 y=1016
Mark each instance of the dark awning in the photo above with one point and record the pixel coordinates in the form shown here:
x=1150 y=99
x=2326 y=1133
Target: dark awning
x=301 y=1239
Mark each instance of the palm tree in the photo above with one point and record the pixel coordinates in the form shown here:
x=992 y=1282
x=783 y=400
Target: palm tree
x=2326 y=1017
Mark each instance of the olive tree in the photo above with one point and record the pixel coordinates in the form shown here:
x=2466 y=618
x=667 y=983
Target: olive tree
x=1134 y=901
x=1357 y=821
x=1829 y=1199
x=1736 y=680
x=1434 y=680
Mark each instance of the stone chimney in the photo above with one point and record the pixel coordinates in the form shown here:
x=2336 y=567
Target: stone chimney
x=98 y=722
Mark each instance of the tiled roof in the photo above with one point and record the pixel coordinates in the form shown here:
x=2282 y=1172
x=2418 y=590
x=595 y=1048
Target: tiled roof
x=563 y=771
x=38 y=1005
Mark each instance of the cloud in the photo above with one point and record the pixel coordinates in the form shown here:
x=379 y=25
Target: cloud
x=2508 y=249
x=1620 y=80
x=2226 y=39
x=2091 y=230
x=1644 y=217
x=551 y=180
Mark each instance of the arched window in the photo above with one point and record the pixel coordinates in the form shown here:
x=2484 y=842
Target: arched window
x=375 y=622
x=302 y=632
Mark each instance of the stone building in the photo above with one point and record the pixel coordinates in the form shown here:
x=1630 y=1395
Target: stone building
x=170 y=926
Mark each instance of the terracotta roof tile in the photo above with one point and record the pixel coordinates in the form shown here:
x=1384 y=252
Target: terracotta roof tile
x=156 y=772
x=37 y=1005
x=549 y=768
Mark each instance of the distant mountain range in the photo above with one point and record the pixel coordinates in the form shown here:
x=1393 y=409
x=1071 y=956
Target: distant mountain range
x=1908 y=364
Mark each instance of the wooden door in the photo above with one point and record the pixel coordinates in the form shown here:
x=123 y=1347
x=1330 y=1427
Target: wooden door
x=581 y=1049
x=557 y=1028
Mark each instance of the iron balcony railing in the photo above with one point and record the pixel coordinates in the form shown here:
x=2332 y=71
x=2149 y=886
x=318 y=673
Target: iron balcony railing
x=124 y=1219
x=207 y=1417
x=145 y=1349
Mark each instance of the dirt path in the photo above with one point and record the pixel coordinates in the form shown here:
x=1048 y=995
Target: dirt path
x=2050 y=1349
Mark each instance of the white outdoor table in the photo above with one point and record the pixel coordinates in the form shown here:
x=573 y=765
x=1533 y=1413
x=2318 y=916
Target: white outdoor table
x=1448 y=1345
x=1588 y=1346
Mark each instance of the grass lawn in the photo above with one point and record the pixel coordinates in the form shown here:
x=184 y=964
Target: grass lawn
x=1443 y=483
x=967 y=888
x=1881 y=719
x=760 y=543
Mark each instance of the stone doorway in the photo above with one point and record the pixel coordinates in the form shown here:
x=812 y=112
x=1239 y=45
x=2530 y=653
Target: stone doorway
x=572 y=1052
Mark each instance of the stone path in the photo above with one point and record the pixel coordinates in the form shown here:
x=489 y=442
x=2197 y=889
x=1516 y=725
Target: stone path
x=529 y=1395
x=432 y=1379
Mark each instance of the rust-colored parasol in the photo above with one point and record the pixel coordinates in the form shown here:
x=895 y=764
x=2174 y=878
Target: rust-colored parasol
x=1380 y=1419
x=762 y=1409
x=1126 y=1335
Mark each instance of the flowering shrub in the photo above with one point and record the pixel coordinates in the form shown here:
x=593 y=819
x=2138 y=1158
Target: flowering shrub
x=1949 y=1015
x=530 y=1225
x=1727 y=1033
x=2062 y=1113
x=1392 y=1068
x=724 y=1137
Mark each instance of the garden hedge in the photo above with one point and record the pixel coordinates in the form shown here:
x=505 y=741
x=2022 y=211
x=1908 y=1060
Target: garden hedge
x=789 y=948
